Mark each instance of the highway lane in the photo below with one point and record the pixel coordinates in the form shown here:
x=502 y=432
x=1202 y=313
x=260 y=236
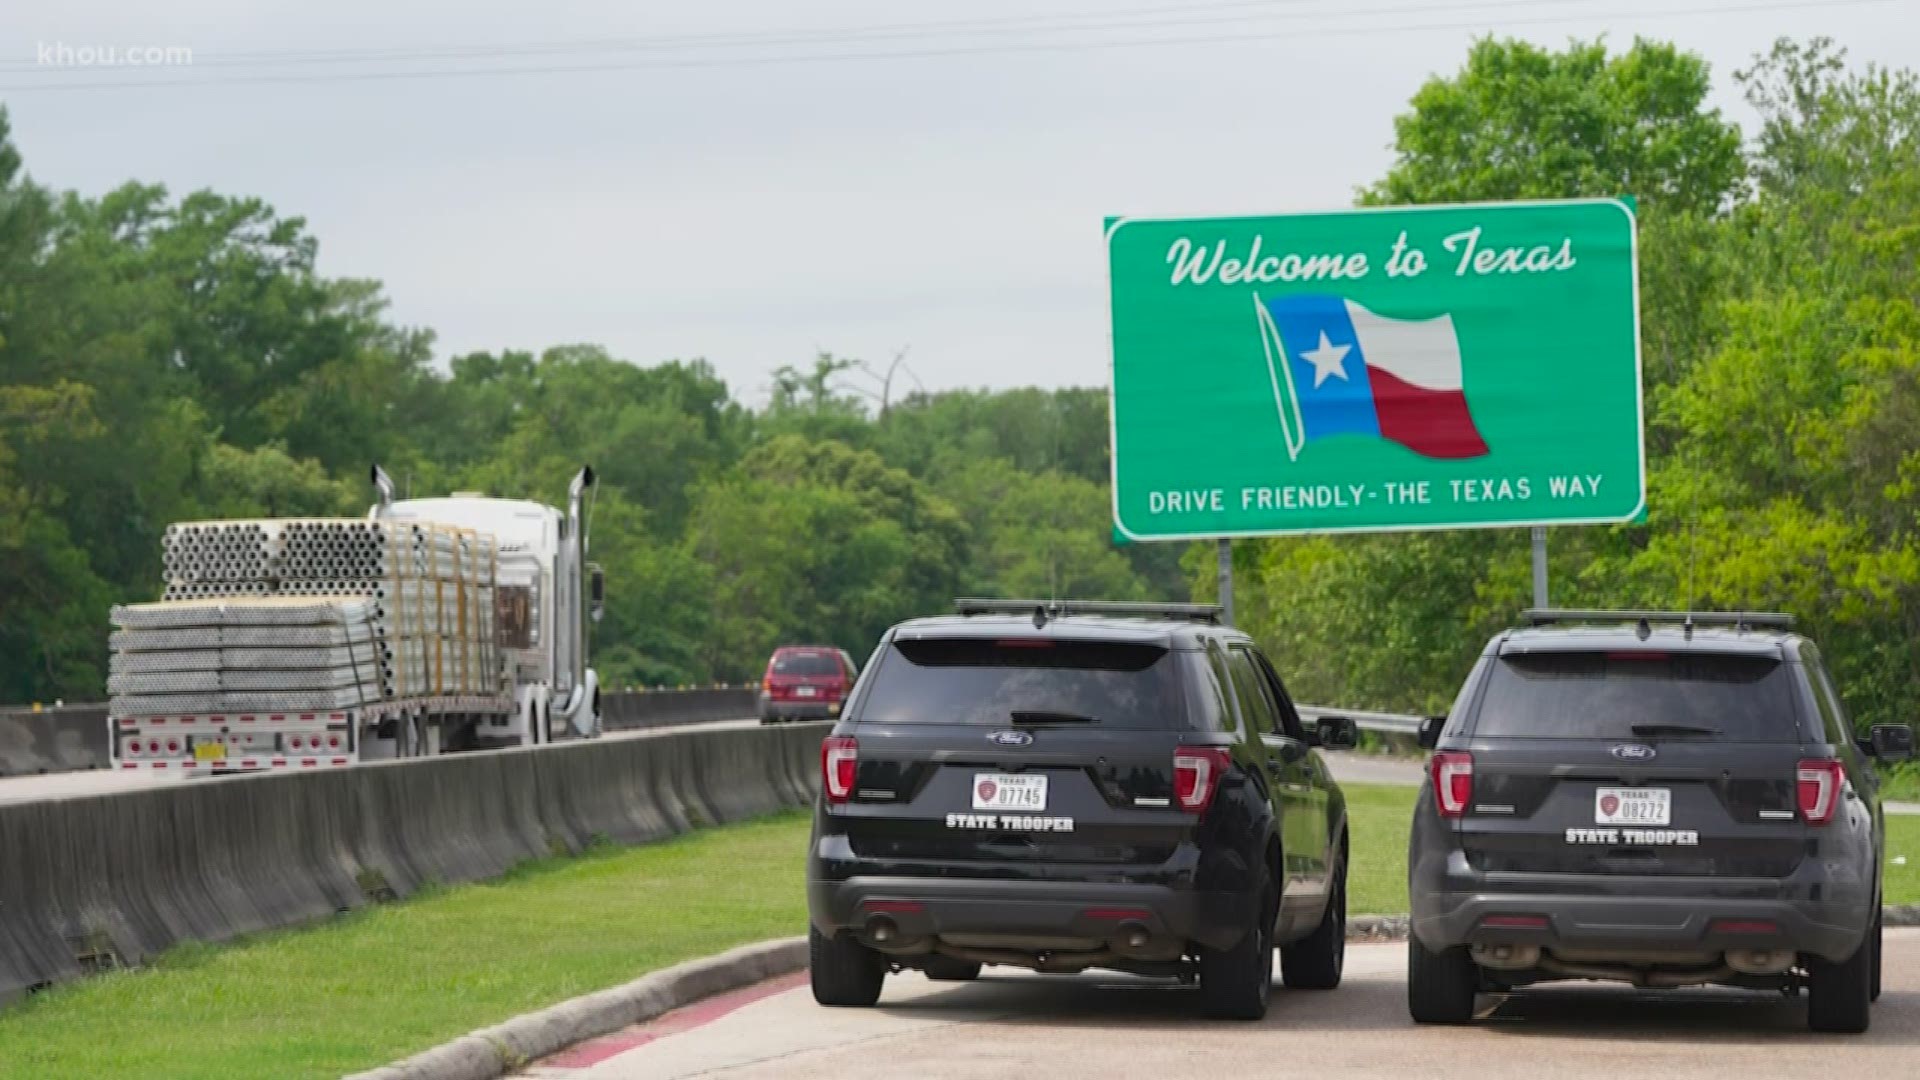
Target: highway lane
x=107 y=781
x=1017 y=1024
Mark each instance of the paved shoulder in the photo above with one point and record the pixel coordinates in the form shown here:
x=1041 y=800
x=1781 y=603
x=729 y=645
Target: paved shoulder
x=1115 y=1026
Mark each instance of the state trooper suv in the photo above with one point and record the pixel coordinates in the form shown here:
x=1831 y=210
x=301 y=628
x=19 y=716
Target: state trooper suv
x=1664 y=799
x=1074 y=785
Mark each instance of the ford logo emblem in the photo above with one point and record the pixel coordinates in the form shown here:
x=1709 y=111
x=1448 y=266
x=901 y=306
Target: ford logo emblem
x=1010 y=738
x=1633 y=752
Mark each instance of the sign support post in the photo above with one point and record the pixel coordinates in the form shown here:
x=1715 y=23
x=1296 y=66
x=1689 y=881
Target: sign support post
x=1540 y=566
x=1226 y=580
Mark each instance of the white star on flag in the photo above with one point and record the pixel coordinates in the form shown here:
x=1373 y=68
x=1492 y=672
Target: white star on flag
x=1327 y=359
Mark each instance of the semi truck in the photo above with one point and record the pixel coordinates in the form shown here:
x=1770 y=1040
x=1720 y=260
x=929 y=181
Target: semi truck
x=431 y=626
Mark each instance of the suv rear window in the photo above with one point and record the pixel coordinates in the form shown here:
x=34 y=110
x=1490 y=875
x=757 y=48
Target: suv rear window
x=806 y=664
x=1601 y=695
x=985 y=682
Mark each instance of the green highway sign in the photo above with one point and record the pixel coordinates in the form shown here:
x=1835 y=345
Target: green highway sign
x=1424 y=367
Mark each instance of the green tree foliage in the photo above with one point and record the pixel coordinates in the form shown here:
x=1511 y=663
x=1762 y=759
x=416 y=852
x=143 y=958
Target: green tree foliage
x=1039 y=534
x=817 y=542
x=164 y=358
x=1781 y=340
x=1522 y=122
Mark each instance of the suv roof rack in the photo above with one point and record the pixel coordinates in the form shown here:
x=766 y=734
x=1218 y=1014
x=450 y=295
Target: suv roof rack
x=1054 y=609
x=1739 y=620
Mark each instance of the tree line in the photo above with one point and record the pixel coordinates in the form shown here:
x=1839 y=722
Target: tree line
x=168 y=358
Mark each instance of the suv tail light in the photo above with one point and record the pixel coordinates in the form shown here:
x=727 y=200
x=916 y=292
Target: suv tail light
x=839 y=758
x=1196 y=775
x=1452 y=772
x=1819 y=786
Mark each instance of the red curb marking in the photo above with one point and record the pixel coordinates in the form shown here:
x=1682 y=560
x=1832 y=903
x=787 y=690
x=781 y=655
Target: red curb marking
x=678 y=1022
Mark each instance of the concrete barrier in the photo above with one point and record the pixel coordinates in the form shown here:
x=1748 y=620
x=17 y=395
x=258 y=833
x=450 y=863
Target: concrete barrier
x=54 y=740
x=667 y=708
x=74 y=737
x=111 y=880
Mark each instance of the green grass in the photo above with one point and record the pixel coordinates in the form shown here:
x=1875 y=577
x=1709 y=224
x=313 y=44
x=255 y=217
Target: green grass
x=1901 y=884
x=1377 y=820
x=375 y=986
x=378 y=985
x=1901 y=783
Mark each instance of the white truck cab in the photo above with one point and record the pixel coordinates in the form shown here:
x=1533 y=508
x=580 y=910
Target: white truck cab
x=547 y=598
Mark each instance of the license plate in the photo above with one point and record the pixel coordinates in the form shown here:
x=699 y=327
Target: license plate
x=1001 y=791
x=1633 y=806
x=806 y=691
x=210 y=751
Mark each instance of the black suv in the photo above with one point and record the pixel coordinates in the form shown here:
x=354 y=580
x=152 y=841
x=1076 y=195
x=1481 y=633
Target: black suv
x=1070 y=785
x=1664 y=799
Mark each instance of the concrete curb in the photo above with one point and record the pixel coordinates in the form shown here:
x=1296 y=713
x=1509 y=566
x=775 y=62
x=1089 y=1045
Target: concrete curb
x=1394 y=927
x=1377 y=927
x=504 y=1048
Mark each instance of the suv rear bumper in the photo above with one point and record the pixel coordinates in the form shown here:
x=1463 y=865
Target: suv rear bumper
x=798 y=710
x=1642 y=912
x=1026 y=914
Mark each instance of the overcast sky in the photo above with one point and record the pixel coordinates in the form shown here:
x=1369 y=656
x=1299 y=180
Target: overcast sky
x=689 y=198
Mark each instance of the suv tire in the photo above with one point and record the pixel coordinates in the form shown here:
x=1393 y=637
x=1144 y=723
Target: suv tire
x=1316 y=961
x=844 y=972
x=1878 y=944
x=1840 y=995
x=948 y=969
x=1236 y=982
x=1440 y=985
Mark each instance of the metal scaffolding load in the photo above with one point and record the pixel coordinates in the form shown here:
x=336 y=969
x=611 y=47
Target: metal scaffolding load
x=309 y=615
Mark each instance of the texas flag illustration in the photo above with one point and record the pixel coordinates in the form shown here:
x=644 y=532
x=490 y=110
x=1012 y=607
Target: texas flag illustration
x=1351 y=372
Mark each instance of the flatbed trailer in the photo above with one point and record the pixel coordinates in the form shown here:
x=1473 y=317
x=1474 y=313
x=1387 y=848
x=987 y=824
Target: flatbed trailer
x=214 y=743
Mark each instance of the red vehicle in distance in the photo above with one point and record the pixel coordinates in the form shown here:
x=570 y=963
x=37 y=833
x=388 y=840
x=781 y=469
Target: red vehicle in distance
x=806 y=682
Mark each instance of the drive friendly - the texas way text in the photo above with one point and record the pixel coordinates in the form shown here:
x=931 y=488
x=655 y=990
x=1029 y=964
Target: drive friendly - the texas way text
x=1286 y=497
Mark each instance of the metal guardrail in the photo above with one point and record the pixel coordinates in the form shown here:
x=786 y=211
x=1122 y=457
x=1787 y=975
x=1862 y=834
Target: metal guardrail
x=1383 y=723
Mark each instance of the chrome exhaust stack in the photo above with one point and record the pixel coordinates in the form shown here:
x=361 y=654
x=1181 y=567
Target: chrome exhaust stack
x=384 y=485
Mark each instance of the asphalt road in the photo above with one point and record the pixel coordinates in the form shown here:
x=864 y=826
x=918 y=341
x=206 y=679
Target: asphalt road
x=107 y=781
x=1113 y=1026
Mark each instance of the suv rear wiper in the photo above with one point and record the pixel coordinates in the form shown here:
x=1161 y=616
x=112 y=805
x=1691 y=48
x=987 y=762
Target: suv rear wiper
x=1655 y=731
x=1042 y=716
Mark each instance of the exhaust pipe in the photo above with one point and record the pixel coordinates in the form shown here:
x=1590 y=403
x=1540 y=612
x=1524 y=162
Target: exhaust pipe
x=384 y=484
x=575 y=664
x=1505 y=957
x=1760 y=961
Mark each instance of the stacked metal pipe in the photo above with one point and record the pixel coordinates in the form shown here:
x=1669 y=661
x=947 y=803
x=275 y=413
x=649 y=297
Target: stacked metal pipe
x=189 y=657
x=309 y=614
